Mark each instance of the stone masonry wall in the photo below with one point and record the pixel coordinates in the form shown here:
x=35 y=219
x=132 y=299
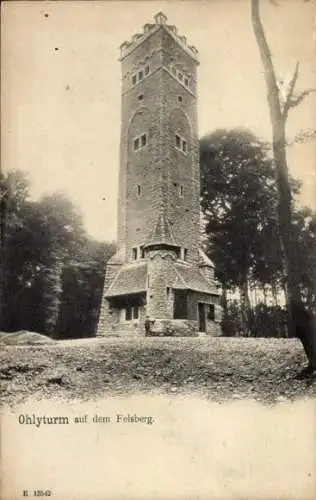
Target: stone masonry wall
x=212 y=327
x=158 y=168
x=160 y=105
x=183 y=210
x=180 y=117
x=161 y=275
x=174 y=328
x=135 y=120
x=142 y=171
x=105 y=317
x=119 y=327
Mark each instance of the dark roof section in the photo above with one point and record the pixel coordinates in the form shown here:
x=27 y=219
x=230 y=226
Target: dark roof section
x=190 y=278
x=130 y=279
x=162 y=233
x=204 y=260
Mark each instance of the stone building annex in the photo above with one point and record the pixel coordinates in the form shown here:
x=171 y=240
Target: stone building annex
x=159 y=270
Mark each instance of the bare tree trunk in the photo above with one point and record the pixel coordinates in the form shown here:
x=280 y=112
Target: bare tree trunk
x=256 y=298
x=278 y=122
x=274 y=289
x=3 y=215
x=224 y=300
x=245 y=307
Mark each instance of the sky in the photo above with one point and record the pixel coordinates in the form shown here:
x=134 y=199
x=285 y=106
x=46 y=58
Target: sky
x=61 y=87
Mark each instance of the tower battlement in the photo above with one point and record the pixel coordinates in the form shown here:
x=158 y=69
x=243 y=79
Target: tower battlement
x=149 y=28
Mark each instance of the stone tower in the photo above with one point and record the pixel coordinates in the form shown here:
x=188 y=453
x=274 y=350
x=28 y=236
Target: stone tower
x=159 y=269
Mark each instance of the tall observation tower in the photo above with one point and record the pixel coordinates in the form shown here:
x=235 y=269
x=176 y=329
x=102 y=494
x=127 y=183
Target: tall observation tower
x=159 y=269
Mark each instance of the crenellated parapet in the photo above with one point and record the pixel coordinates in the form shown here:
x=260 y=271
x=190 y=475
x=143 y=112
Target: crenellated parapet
x=149 y=28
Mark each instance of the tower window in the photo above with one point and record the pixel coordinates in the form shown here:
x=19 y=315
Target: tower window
x=181 y=191
x=140 y=142
x=134 y=253
x=141 y=97
x=181 y=144
x=184 y=254
x=142 y=252
x=137 y=77
x=139 y=190
x=180 y=76
x=168 y=291
x=180 y=98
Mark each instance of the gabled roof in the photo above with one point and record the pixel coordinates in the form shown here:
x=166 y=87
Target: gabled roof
x=131 y=278
x=162 y=233
x=190 y=278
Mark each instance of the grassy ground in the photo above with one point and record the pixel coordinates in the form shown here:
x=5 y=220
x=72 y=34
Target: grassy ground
x=218 y=368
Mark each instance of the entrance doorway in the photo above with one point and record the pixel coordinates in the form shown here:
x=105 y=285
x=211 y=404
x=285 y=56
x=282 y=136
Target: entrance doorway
x=201 y=312
x=180 y=310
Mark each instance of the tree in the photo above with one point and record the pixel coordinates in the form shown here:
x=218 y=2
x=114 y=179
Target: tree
x=52 y=271
x=268 y=269
x=238 y=198
x=14 y=266
x=304 y=236
x=281 y=99
x=82 y=285
x=60 y=233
